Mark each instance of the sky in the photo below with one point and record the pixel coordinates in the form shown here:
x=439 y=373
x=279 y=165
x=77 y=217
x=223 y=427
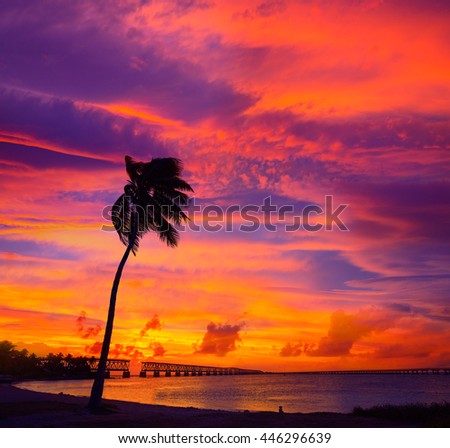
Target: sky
x=287 y=101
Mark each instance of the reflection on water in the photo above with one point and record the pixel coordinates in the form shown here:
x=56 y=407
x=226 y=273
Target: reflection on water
x=296 y=393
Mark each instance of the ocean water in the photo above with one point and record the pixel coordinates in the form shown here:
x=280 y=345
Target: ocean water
x=296 y=393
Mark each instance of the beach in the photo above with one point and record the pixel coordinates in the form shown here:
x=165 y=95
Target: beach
x=21 y=408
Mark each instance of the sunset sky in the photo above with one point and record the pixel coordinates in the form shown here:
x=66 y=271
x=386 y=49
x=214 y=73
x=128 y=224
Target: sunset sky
x=294 y=100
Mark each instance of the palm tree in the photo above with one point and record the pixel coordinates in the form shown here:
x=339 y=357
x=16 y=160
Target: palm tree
x=152 y=201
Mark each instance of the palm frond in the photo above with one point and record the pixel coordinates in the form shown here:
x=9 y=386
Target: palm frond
x=169 y=235
x=169 y=208
x=174 y=183
x=176 y=196
x=153 y=200
x=120 y=216
x=135 y=235
x=134 y=169
x=163 y=167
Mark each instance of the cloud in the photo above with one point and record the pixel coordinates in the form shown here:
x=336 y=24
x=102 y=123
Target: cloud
x=270 y=8
x=346 y=329
x=328 y=269
x=158 y=349
x=291 y=349
x=108 y=66
x=219 y=339
x=153 y=324
x=38 y=249
x=41 y=159
x=423 y=6
x=70 y=126
x=94 y=349
x=128 y=351
x=353 y=145
x=86 y=332
x=43 y=326
x=178 y=8
x=378 y=131
x=264 y=9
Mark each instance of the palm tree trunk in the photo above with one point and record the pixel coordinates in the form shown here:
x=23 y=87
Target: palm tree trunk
x=97 y=388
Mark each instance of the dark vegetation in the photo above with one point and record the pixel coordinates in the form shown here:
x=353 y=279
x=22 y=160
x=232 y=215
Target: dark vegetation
x=422 y=415
x=20 y=364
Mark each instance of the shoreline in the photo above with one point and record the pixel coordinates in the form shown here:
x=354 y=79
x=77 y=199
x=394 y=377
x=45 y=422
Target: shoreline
x=21 y=408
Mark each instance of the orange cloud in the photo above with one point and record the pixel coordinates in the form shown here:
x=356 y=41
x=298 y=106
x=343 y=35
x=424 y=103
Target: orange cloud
x=219 y=339
x=128 y=351
x=153 y=324
x=291 y=349
x=94 y=349
x=346 y=329
x=158 y=349
x=86 y=332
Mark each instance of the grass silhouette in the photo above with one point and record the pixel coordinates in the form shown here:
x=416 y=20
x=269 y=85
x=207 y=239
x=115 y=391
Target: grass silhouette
x=417 y=414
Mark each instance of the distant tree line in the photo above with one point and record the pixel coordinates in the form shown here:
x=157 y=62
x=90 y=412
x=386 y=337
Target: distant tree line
x=25 y=365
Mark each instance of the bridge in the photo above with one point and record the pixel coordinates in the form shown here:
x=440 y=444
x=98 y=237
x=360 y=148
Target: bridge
x=418 y=371
x=85 y=365
x=190 y=370
x=112 y=365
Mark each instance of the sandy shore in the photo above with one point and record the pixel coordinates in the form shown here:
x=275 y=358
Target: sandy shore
x=26 y=409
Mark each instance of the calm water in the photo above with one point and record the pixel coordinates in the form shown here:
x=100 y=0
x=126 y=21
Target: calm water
x=296 y=393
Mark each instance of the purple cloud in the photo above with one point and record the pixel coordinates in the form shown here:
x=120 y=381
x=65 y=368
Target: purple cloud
x=95 y=61
x=40 y=158
x=83 y=129
x=37 y=249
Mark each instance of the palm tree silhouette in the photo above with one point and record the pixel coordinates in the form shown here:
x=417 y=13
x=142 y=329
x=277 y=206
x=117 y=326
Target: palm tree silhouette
x=152 y=201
